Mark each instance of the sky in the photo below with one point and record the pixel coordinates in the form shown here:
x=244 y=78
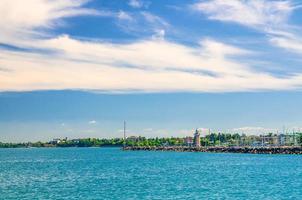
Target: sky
x=78 y=68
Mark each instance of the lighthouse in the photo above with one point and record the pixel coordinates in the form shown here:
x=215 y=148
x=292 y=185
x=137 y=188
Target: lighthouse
x=197 y=138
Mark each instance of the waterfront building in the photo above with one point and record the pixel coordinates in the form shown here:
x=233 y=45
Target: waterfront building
x=197 y=138
x=275 y=140
x=56 y=141
x=133 y=138
x=189 y=141
x=290 y=139
x=281 y=139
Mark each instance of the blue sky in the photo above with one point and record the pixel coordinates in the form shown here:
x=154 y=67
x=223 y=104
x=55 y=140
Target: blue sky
x=79 y=68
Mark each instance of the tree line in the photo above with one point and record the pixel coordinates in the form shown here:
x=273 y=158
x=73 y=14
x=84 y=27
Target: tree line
x=213 y=139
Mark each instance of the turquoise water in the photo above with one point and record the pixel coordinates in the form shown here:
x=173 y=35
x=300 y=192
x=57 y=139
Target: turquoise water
x=108 y=173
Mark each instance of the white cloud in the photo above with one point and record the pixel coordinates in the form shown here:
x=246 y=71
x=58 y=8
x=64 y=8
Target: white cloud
x=154 y=19
x=293 y=44
x=20 y=20
x=89 y=131
x=270 y=17
x=255 y=130
x=147 y=130
x=150 y=65
x=122 y=15
x=171 y=133
x=159 y=34
x=92 y=122
x=136 y=3
x=252 y=13
x=143 y=22
x=156 y=133
x=39 y=13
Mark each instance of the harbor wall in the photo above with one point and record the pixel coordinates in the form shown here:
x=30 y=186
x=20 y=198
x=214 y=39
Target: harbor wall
x=252 y=150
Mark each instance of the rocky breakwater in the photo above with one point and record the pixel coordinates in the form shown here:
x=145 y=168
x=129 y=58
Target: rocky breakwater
x=252 y=150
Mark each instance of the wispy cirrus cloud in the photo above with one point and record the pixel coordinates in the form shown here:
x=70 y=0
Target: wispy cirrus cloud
x=253 y=13
x=269 y=17
x=291 y=42
x=138 y=3
x=153 y=64
x=122 y=15
x=142 y=23
x=26 y=16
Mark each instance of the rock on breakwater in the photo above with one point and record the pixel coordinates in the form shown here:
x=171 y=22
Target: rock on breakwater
x=252 y=150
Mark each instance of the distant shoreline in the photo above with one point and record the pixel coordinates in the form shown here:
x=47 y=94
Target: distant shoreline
x=250 y=150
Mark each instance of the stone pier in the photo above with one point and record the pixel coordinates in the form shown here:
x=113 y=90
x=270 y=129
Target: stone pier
x=252 y=150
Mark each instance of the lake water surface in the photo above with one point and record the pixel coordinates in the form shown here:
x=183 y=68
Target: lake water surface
x=109 y=173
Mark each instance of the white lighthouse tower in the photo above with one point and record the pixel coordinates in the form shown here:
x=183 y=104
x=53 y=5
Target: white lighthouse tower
x=197 y=138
